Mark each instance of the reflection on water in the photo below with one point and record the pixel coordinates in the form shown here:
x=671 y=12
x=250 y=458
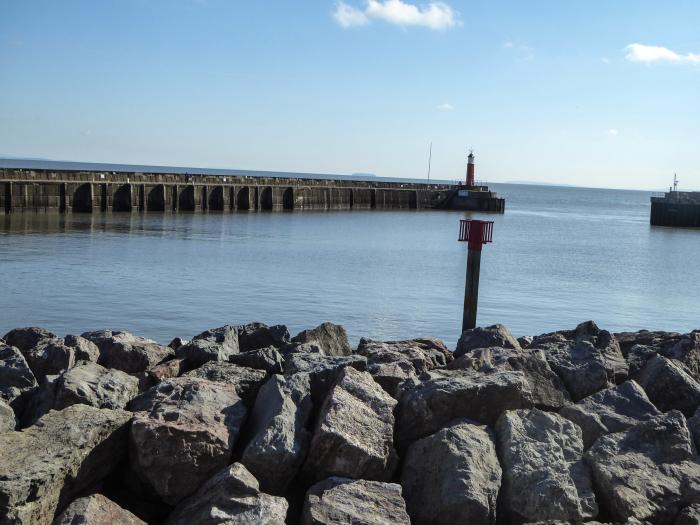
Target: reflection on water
x=560 y=256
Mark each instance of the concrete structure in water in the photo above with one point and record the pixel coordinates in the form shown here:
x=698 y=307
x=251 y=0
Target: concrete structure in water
x=44 y=190
x=676 y=208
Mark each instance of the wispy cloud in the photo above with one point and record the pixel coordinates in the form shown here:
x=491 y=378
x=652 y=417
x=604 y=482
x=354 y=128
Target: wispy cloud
x=613 y=132
x=445 y=107
x=645 y=54
x=524 y=52
x=434 y=15
x=605 y=60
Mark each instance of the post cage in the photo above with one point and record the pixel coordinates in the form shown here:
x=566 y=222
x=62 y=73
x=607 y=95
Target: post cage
x=476 y=233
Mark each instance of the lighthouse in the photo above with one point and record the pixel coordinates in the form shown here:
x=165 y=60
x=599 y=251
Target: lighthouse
x=470 y=170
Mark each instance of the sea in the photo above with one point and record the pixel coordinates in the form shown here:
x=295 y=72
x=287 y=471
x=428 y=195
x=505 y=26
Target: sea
x=560 y=256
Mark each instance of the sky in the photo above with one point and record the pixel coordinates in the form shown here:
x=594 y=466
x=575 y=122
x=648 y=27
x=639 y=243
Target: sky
x=596 y=93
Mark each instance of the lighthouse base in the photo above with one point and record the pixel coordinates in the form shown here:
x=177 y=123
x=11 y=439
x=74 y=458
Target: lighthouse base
x=475 y=198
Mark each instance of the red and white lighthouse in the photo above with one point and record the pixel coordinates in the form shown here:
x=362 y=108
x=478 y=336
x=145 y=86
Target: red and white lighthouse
x=470 y=170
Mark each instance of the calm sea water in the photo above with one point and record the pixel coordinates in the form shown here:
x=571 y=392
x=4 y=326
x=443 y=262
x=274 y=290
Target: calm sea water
x=560 y=256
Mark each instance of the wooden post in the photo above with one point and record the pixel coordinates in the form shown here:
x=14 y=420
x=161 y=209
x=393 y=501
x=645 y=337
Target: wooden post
x=471 y=289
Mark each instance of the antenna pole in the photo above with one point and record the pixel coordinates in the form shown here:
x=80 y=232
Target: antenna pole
x=430 y=158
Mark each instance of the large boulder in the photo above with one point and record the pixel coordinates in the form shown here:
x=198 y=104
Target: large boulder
x=217 y=344
x=428 y=404
x=267 y=359
x=259 y=335
x=322 y=370
x=548 y=390
x=689 y=516
x=342 y=501
x=96 y=510
x=183 y=432
x=49 y=357
x=544 y=476
x=354 y=434
x=17 y=382
x=46 y=466
x=8 y=420
x=656 y=339
x=648 y=472
x=232 y=496
x=485 y=337
x=331 y=338
x=611 y=410
x=167 y=369
x=84 y=349
x=452 y=477
x=87 y=384
x=246 y=381
x=26 y=338
x=279 y=440
x=669 y=385
x=392 y=362
x=127 y=352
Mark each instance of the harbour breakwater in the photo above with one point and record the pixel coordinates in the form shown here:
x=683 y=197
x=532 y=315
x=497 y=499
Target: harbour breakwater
x=245 y=424
x=66 y=191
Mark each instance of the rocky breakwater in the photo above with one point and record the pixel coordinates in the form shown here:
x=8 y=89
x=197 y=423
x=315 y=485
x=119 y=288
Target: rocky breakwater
x=245 y=425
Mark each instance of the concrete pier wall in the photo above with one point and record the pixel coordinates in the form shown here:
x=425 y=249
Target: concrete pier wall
x=91 y=192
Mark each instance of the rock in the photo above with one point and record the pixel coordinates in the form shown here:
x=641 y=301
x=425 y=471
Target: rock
x=587 y=364
x=490 y=336
x=84 y=349
x=127 y=352
x=322 y=370
x=525 y=341
x=17 y=381
x=544 y=477
x=694 y=427
x=648 y=472
x=177 y=343
x=183 y=432
x=669 y=386
x=40 y=402
x=25 y=338
x=167 y=369
x=96 y=510
x=627 y=340
x=258 y=335
x=48 y=465
x=232 y=496
x=428 y=405
x=354 y=434
x=689 y=516
x=687 y=351
x=217 y=344
x=8 y=421
x=341 y=501
x=246 y=381
x=611 y=410
x=279 y=440
x=392 y=362
x=331 y=338
x=267 y=359
x=49 y=357
x=638 y=357
x=452 y=477
x=548 y=390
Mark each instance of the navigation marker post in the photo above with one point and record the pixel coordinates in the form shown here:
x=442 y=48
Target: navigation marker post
x=476 y=233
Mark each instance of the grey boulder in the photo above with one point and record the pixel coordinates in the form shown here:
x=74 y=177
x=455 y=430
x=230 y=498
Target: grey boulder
x=26 y=338
x=267 y=359
x=485 y=337
x=452 y=477
x=8 y=421
x=611 y=410
x=96 y=510
x=689 y=516
x=259 y=335
x=330 y=338
x=279 y=440
x=354 y=434
x=342 y=501
x=648 y=472
x=217 y=344
x=544 y=476
x=47 y=465
x=84 y=349
x=323 y=371
x=429 y=403
x=183 y=432
x=49 y=357
x=246 y=381
x=669 y=385
x=231 y=496
x=17 y=382
x=127 y=352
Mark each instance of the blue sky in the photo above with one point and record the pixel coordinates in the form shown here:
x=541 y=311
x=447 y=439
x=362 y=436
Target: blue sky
x=594 y=93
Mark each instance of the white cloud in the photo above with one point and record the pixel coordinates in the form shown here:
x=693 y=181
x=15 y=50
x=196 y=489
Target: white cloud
x=434 y=15
x=613 y=132
x=445 y=107
x=644 y=54
x=522 y=51
x=348 y=16
x=508 y=45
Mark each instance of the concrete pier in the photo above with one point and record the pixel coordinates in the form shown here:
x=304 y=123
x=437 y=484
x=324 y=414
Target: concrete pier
x=66 y=191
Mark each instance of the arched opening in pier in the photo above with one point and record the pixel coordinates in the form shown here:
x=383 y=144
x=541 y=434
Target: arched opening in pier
x=232 y=198
x=82 y=198
x=373 y=198
x=413 y=200
x=266 y=198
x=352 y=198
x=122 y=198
x=103 y=197
x=185 y=201
x=288 y=199
x=156 y=199
x=173 y=198
x=243 y=198
x=216 y=199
